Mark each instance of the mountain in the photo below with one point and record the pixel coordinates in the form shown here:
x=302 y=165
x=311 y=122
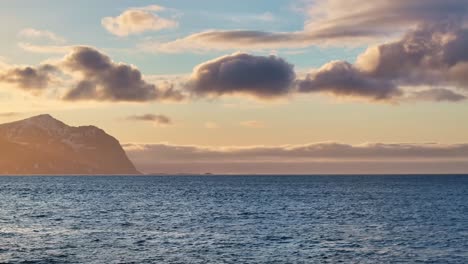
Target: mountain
x=45 y=145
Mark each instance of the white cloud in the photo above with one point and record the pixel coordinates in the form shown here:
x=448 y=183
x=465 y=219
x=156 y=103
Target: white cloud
x=137 y=21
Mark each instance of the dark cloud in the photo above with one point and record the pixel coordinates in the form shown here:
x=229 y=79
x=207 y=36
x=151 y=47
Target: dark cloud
x=432 y=55
x=105 y=80
x=260 y=76
x=437 y=95
x=99 y=79
x=343 y=79
x=157 y=119
x=29 y=78
x=311 y=158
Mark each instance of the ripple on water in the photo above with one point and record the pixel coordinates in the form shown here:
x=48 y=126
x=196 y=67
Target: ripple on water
x=358 y=219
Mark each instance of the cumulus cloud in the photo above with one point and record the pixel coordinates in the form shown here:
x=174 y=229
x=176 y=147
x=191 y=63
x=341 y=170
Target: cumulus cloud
x=310 y=158
x=137 y=21
x=105 y=80
x=342 y=22
x=343 y=79
x=29 y=78
x=90 y=75
x=152 y=118
x=430 y=55
x=260 y=76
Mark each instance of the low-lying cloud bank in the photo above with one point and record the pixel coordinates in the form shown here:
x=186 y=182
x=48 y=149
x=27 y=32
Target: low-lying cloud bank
x=329 y=158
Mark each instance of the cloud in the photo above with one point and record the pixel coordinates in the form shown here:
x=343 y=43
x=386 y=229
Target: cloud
x=91 y=76
x=45 y=49
x=105 y=80
x=309 y=158
x=343 y=79
x=9 y=114
x=32 y=33
x=252 y=124
x=437 y=95
x=360 y=18
x=430 y=55
x=340 y=22
x=217 y=40
x=260 y=76
x=161 y=120
x=137 y=21
x=29 y=78
x=153 y=8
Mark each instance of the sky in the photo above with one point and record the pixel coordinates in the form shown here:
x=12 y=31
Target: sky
x=268 y=86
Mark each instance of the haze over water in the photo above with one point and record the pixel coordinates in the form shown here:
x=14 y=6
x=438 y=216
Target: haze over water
x=234 y=219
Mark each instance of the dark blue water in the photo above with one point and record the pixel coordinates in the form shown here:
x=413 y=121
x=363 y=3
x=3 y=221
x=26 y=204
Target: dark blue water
x=227 y=219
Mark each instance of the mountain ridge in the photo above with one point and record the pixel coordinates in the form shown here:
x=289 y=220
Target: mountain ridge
x=45 y=145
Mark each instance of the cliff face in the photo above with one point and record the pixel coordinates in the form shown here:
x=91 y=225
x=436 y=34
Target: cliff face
x=45 y=145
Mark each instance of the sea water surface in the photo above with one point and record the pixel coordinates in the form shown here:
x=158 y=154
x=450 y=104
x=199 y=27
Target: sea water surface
x=234 y=219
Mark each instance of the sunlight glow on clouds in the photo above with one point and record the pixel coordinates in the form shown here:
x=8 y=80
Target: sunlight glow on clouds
x=342 y=70
x=330 y=22
x=430 y=54
x=137 y=21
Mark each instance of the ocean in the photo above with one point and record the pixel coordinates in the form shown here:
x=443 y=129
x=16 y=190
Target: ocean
x=234 y=219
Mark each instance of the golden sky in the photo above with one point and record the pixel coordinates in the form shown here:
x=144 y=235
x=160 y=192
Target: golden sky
x=216 y=75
